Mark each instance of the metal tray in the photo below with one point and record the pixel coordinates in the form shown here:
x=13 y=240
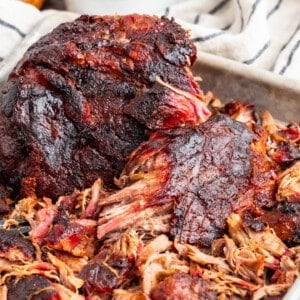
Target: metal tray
x=229 y=80
x=225 y=78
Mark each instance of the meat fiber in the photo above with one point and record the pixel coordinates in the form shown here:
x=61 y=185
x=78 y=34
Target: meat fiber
x=31 y=287
x=182 y=286
x=15 y=247
x=284 y=217
x=183 y=172
x=112 y=266
x=82 y=98
x=132 y=260
x=204 y=205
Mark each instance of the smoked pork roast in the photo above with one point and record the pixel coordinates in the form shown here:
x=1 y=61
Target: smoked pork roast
x=85 y=96
x=135 y=184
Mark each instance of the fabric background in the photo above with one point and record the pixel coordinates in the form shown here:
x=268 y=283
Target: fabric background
x=263 y=33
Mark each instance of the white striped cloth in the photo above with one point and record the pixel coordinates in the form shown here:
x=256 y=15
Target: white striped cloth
x=16 y=20
x=264 y=33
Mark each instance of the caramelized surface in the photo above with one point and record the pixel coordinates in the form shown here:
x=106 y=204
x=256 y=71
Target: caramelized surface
x=82 y=97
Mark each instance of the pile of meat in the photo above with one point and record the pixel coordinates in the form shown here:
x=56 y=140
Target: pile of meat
x=135 y=184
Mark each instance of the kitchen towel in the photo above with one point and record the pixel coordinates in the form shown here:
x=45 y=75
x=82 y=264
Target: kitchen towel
x=16 y=20
x=264 y=33
x=21 y=25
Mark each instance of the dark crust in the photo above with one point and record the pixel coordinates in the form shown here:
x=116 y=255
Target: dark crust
x=182 y=286
x=33 y=287
x=210 y=171
x=72 y=109
x=14 y=241
x=106 y=271
x=215 y=155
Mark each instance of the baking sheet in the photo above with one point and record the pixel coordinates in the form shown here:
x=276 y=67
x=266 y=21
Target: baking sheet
x=230 y=80
x=225 y=78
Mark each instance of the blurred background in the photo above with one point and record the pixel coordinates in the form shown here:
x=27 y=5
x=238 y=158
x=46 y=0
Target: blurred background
x=55 y=4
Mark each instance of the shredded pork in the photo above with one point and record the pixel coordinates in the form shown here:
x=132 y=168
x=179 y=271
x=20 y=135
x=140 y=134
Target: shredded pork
x=142 y=260
x=141 y=240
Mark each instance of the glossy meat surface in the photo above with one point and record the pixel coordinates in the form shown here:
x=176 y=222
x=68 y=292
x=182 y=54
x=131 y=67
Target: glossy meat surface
x=82 y=97
x=15 y=247
x=33 y=287
x=285 y=220
x=145 y=230
x=189 y=168
x=182 y=286
x=214 y=174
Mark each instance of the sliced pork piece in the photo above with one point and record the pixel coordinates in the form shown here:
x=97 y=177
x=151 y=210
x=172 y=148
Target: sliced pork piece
x=83 y=97
x=72 y=235
x=285 y=220
x=15 y=247
x=61 y=225
x=183 y=286
x=198 y=176
x=284 y=216
x=31 y=287
x=284 y=140
x=112 y=265
x=60 y=228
